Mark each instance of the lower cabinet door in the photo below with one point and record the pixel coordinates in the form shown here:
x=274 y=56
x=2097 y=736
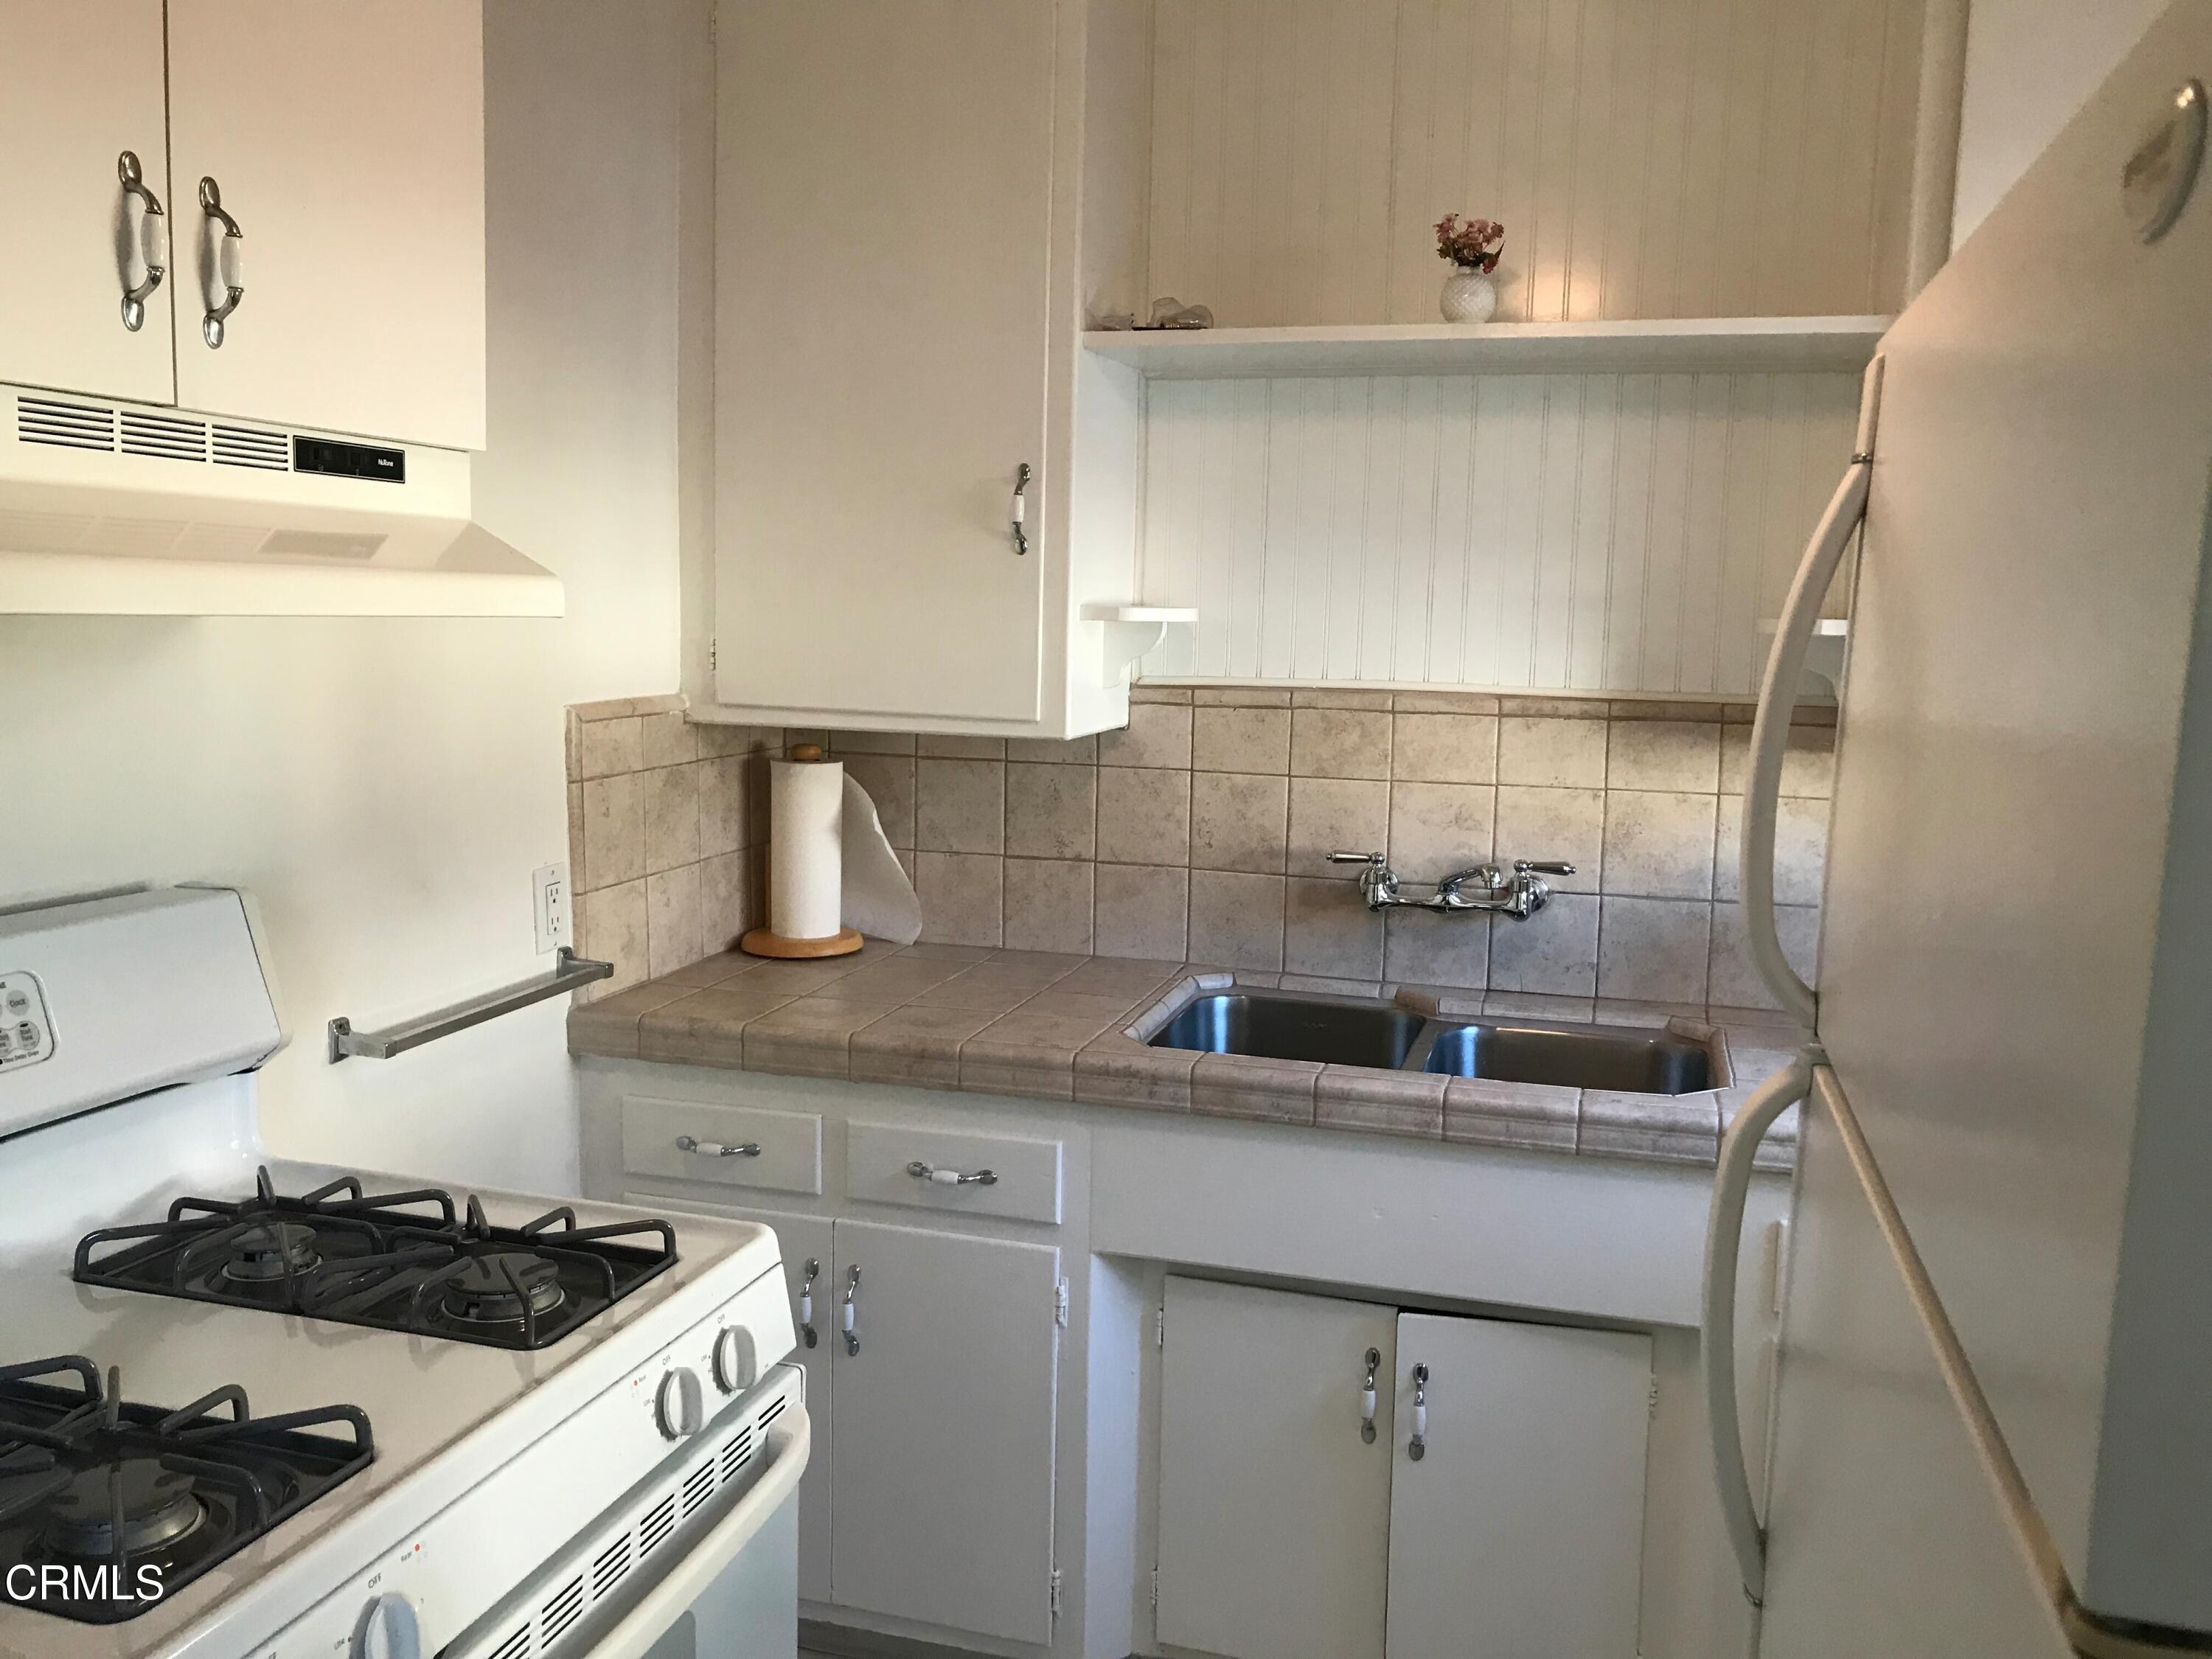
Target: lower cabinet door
x=1274 y=1507
x=805 y=1242
x=942 y=1474
x=1518 y=1534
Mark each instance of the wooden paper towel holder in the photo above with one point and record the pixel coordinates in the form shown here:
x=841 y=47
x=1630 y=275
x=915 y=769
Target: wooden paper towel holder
x=766 y=942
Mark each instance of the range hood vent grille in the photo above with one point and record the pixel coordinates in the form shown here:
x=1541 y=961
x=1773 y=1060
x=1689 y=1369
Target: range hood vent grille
x=70 y=426
x=238 y=446
x=153 y=434
x=170 y=436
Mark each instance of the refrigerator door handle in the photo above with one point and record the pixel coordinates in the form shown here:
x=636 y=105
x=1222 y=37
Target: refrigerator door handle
x=1723 y=1235
x=1777 y=695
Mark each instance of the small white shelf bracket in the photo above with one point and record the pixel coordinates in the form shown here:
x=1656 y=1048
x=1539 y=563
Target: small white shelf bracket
x=1131 y=630
x=1824 y=659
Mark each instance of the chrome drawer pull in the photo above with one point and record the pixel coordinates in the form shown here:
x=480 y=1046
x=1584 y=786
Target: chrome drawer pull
x=717 y=1148
x=922 y=1171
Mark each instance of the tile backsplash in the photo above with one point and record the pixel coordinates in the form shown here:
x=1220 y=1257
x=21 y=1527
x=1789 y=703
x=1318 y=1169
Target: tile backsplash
x=663 y=844
x=1201 y=832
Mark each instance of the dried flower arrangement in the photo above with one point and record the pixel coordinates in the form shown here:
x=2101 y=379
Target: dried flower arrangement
x=1472 y=245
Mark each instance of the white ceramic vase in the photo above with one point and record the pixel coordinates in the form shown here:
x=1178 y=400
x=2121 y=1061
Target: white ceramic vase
x=1469 y=296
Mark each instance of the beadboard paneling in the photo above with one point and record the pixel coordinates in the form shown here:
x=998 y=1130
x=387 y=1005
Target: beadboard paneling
x=1649 y=158
x=1622 y=532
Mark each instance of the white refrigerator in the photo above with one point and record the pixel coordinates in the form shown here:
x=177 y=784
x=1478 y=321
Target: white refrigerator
x=1992 y=1427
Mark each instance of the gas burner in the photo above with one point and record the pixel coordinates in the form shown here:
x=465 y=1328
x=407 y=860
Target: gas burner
x=495 y=1289
x=273 y=1249
x=106 y=1506
x=411 y=1261
x=152 y=1505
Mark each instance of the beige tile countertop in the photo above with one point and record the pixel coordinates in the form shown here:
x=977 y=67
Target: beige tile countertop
x=1044 y=1026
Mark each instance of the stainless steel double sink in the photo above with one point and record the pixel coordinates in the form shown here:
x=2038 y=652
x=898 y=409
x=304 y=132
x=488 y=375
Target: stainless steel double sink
x=1350 y=1031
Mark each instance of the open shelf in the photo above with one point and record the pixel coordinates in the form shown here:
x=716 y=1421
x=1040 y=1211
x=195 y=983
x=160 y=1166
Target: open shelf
x=1771 y=343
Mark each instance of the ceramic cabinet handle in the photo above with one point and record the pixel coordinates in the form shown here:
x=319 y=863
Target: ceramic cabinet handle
x=1367 y=1397
x=153 y=241
x=229 y=249
x=806 y=1302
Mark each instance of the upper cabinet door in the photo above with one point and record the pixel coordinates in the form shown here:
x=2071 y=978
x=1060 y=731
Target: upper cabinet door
x=883 y=185
x=344 y=140
x=80 y=84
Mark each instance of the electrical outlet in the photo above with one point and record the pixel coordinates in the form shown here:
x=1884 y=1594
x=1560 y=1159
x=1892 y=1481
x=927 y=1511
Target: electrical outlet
x=549 y=906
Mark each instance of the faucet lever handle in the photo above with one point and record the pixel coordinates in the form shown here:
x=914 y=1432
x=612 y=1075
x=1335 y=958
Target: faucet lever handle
x=1543 y=867
x=1374 y=859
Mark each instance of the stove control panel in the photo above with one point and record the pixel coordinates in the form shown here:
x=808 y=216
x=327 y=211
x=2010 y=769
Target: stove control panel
x=27 y=1034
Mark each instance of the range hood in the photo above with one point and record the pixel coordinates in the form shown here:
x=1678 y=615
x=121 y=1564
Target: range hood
x=110 y=509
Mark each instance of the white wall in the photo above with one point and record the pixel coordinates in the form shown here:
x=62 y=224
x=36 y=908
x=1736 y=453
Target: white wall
x=2030 y=65
x=387 y=788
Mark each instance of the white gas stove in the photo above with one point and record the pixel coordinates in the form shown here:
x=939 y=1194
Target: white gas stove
x=257 y=1409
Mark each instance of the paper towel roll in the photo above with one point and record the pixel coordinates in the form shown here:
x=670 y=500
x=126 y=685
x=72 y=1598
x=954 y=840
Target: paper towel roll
x=805 y=860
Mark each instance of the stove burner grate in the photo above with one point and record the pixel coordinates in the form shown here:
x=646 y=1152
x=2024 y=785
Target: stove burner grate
x=100 y=1499
x=411 y=1261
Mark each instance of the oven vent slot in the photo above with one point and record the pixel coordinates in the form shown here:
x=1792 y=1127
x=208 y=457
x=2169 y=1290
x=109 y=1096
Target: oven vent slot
x=164 y=437
x=67 y=426
x=560 y=1612
x=516 y=1646
x=658 y=1523
x=611 y=1567
x=698 y=1487
x=240 y=446
x=775 y=1409
x=737 y=1454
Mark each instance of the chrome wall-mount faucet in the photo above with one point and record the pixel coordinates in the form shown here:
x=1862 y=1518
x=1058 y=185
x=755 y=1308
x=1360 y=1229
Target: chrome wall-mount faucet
x=1519 y=893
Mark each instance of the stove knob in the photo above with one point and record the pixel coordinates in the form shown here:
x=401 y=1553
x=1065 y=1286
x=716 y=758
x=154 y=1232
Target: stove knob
x=388 y=1630
x=678 y=1408
x=735 y=1366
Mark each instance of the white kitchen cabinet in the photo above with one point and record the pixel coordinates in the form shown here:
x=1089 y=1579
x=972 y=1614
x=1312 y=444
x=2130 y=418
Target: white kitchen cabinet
x=1274 y=1517
x=1518 y=1534
x=942 y=1482
x=80 y=83
x=899 y=303
x=882 y=351
x=1515 y=1534
x=345 y=141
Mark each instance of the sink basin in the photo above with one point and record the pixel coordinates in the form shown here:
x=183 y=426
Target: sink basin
x=1575 y=1056
x=1292 y=1025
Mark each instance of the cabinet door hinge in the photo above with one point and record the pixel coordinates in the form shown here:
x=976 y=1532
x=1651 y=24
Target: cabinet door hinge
x=714 y=656
x=1059 y=1304
x=1160 y=1327
x=1651 y=1408
x=1055 y=1592
x=1156 y=1589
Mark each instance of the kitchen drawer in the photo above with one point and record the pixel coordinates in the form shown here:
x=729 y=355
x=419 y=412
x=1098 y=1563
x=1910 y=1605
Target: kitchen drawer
x=879 y=1159
x=789 y=1159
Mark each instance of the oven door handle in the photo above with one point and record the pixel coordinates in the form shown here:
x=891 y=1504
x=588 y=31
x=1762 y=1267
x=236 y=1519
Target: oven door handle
x=789 y=1443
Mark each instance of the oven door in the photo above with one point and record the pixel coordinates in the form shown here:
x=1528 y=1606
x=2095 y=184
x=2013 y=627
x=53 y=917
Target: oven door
x=734 y=1594
x=700 y=1561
